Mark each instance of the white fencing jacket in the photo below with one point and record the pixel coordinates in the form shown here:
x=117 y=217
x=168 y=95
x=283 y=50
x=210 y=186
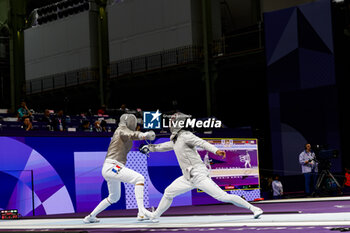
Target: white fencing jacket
x=185 y=150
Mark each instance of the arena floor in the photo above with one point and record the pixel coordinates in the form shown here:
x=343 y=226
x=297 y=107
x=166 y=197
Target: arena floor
x=294 y=215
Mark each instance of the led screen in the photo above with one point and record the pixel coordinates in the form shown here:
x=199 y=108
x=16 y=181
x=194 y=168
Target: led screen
x=55 y=175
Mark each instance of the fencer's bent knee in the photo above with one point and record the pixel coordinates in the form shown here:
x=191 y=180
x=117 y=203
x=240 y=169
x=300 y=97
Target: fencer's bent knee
x=113 y=198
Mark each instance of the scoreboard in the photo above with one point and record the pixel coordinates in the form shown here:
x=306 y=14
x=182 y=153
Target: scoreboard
x=240 y=169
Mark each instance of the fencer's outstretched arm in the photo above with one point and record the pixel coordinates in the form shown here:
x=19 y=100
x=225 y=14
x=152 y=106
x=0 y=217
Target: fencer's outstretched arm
x=137 y=135
x=161 y=147
x=193 y=140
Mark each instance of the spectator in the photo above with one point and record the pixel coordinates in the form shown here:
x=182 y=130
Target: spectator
x=103 y=126
x=309 y=168
x=59 y=123
x=346 y=184
x=277 y=188
x=23 y=111
x=266 y=189
x=123 y=109
x=98 y=127
x=85 y=126
x=102 y=110
x=47 y=119
x=27 y=125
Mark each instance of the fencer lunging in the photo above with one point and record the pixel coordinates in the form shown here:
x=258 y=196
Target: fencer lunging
x=114 y=170
x=195 y=173
x=246 y=160
x=207 y=161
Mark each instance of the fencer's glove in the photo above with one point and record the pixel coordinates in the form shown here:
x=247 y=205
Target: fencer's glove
x=142 y=136
x=144 y=149
x=150 y=135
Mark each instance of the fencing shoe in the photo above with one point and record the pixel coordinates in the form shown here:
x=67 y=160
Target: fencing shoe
x=152 y=216
x=257 y=212
x=91 y=219
x=142 y=217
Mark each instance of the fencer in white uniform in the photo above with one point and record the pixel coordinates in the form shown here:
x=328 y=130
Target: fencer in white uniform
x=207 y=161
x=195 y=173
x=114 y=170
x=247 y=160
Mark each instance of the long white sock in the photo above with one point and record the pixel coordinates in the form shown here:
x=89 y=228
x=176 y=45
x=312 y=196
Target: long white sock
x=139 y=189
x=101 y=207
x=164 y=204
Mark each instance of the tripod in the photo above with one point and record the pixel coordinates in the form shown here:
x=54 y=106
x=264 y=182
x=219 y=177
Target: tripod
x=324 y=174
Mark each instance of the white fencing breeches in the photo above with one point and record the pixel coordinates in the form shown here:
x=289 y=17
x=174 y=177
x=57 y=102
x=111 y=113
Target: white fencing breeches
x=115 y=173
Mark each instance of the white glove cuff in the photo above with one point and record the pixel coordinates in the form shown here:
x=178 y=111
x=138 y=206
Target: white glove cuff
x=142 y=136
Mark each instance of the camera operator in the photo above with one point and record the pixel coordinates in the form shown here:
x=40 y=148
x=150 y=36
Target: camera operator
x=308 y=164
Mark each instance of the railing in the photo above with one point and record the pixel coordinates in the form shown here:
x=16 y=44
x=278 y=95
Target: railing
x=164 y=59
x=238 y=43
x=63 y=80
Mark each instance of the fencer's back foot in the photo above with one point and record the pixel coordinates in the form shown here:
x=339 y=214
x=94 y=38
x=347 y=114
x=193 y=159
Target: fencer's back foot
x=257 y=213
x=89 y=219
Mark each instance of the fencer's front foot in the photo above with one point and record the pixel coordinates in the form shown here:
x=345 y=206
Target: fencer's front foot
x=150 y=216
x=91 y=219
x=257 y=212
x=141 y=217
x=144 y=215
